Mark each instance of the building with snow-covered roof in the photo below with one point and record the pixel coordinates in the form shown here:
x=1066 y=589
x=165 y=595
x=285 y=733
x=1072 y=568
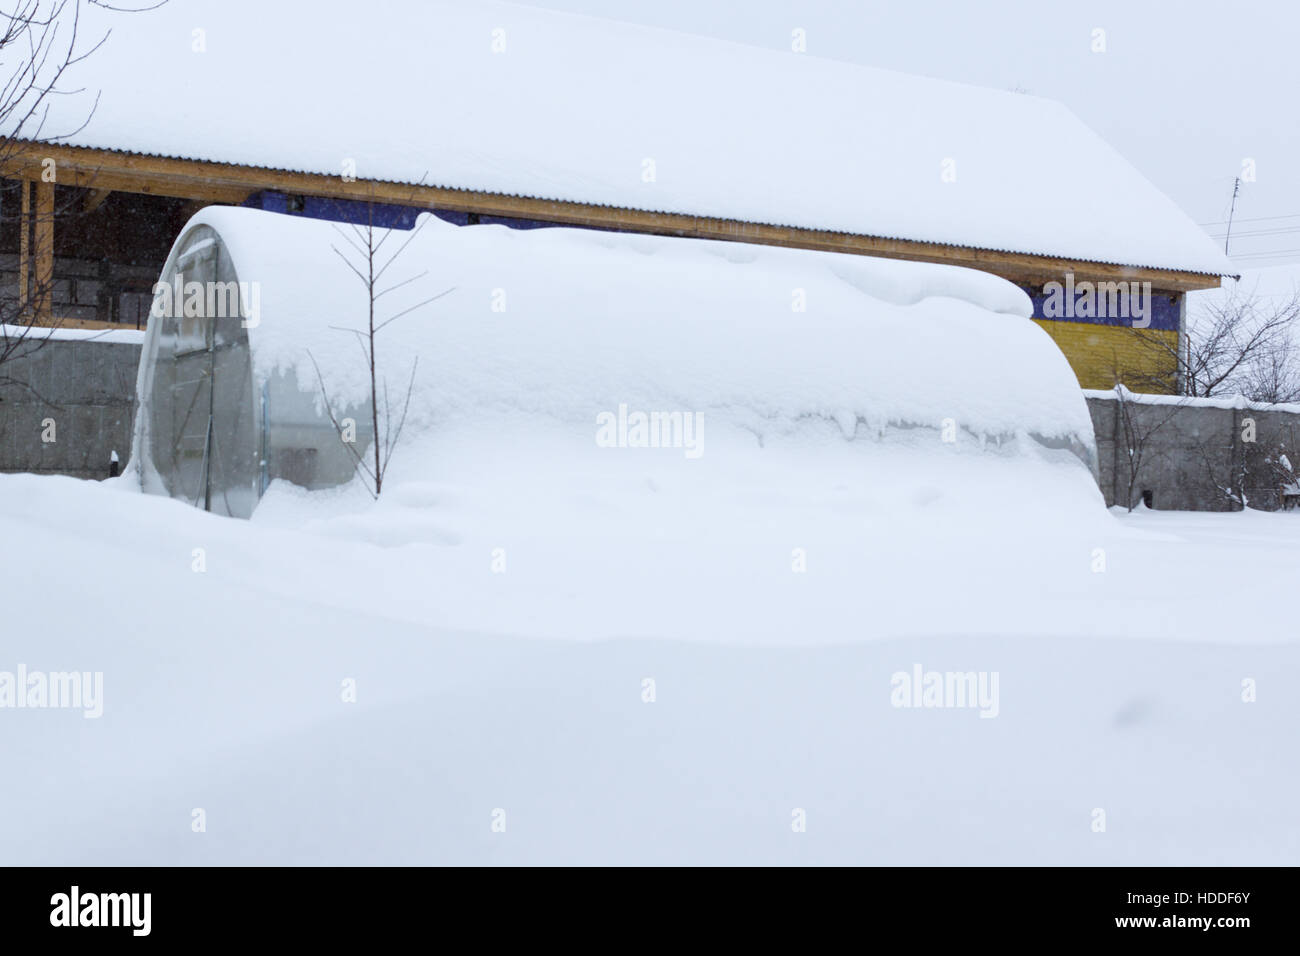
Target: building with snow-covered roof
x=490 y=112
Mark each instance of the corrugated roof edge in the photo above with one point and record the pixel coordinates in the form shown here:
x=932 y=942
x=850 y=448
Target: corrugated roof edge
x=653 y=211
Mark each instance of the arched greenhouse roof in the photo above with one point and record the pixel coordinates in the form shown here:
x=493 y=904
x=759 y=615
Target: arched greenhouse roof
x=565 y=324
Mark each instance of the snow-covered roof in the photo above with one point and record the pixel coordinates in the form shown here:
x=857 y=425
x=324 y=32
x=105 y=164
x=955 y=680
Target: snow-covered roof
x=516 y=100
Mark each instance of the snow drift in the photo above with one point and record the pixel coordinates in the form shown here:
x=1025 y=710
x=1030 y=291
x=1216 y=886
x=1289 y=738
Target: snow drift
x=551 y=332
x=224 y=690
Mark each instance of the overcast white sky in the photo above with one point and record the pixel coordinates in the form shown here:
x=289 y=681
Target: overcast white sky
x=1186 y=90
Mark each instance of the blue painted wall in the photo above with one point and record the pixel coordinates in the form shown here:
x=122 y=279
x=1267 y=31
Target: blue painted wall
x=463 y=219
x=1163 y=315
x=386 y=215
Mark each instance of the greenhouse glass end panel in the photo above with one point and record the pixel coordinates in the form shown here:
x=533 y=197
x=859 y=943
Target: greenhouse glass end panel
x=208 y=431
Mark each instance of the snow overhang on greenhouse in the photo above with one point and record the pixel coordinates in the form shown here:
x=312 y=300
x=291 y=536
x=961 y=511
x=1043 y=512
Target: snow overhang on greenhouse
x=504 y=333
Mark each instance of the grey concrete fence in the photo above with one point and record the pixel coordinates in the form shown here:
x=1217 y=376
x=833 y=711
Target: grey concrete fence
x=1196 y=454
x=68 y=406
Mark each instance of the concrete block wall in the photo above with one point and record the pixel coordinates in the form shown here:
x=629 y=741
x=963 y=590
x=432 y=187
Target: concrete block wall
x=1196 y=454
x=87 y=388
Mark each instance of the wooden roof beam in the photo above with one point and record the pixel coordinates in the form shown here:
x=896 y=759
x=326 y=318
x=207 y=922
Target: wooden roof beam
x=231 y=183
x=94 y=199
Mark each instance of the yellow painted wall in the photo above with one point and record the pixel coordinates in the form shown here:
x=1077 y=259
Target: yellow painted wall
x=1102 y=355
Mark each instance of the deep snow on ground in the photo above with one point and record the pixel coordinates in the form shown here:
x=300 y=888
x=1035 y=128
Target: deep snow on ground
x=522 y=691
x=859 y=498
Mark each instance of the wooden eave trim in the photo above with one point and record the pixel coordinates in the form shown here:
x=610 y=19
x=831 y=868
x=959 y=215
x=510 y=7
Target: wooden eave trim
x=231 y=183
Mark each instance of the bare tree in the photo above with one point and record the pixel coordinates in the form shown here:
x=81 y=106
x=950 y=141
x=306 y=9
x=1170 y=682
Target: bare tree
x=1228 y=475
x=1285 y=471
x=41 y=41
x=1277 y=472
x=1240 y=343
x=1258 y=468
x=1274 y=376
x=1137 y=432
x=370 y=267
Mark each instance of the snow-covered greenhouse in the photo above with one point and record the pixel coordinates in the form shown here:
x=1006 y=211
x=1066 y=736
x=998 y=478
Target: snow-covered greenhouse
x=255 y=368
x=208 y=429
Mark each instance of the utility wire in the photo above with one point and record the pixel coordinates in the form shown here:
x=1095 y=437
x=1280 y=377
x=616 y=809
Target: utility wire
x=1220 y=222
x=1267 y=255
x=1258 y=232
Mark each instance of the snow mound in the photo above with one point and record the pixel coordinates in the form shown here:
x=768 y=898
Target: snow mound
x=568 y=325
